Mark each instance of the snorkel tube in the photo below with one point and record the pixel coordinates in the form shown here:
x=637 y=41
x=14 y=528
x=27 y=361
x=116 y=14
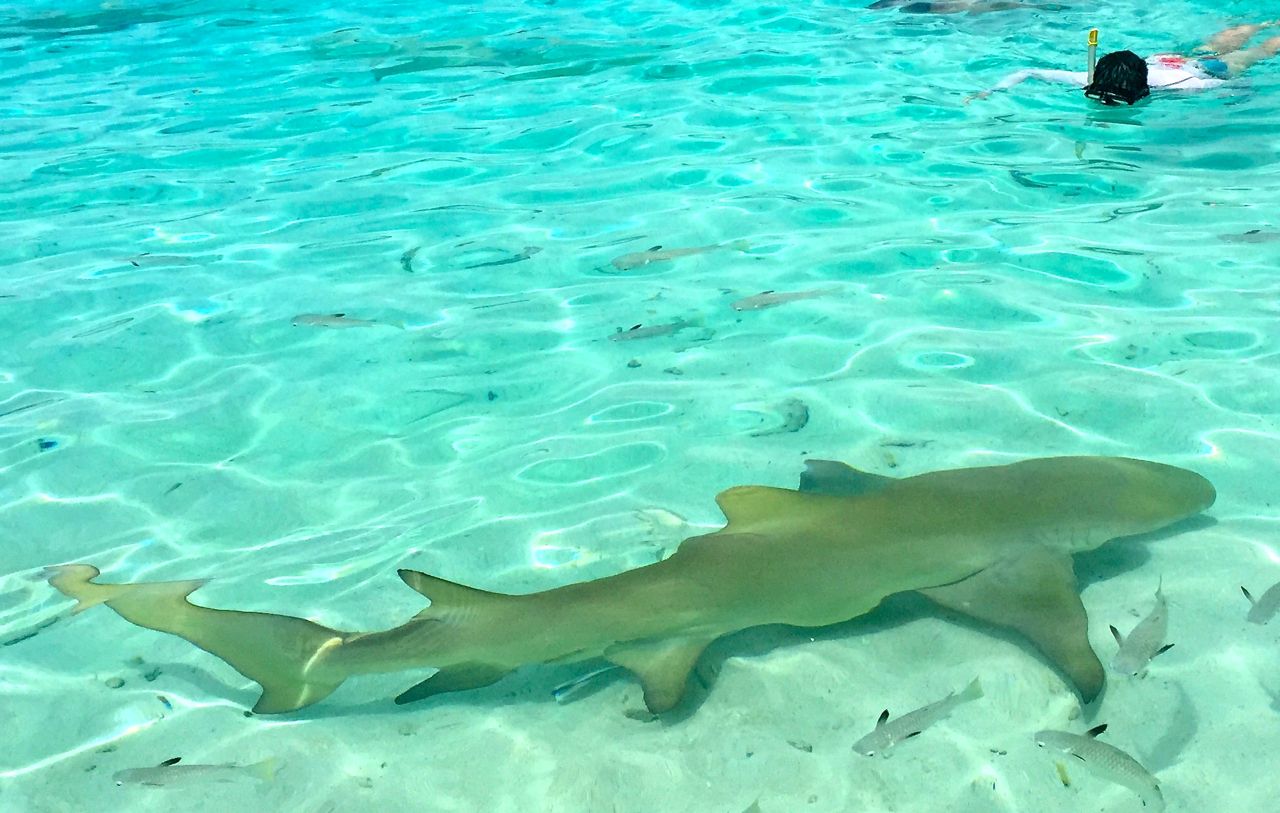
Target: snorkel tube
x=1093 y=52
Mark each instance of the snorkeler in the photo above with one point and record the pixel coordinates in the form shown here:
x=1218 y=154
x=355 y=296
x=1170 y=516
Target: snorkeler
x=1123 y=76
x=951 y=6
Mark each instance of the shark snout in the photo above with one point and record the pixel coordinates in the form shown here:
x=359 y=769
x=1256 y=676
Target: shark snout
x=1172 y=493
x=1202 y=494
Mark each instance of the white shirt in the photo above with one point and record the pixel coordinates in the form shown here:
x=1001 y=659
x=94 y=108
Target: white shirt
x=1160 y=76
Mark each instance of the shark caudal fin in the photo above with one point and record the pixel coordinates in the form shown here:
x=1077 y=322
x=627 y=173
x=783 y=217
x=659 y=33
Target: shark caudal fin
x=284 y=655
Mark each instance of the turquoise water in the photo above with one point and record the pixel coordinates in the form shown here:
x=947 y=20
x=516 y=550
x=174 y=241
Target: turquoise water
x=1027 y=275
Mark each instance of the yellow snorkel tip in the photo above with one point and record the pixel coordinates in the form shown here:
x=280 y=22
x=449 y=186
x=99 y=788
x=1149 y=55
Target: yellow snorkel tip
x=1093 y=51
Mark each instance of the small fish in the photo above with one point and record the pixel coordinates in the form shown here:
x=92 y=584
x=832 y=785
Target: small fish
x=525 y=253
x=103 y=328
x=567 y=690
x=648 y=331
x=888 y=734
x=406 y=259
x=171 y=773
x=27 y=633
x=658 y=254
x=1107 y=761
x=772 y=299
x=25 y=407
x=1145 y=641
x=1063 y=776
x=148 y=260
x=795 y=416
x=1264 y=609
x=338 y=320
x=1251 y=236
x=1274 y=694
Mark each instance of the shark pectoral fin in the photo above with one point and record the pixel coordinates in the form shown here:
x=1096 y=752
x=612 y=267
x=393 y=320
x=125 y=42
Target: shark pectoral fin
x=839 y=479
x=663 y=667
x=1034 y=594
x=283 y=654
x=456 y=678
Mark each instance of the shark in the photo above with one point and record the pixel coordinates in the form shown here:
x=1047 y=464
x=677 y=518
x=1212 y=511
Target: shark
x=994 y=543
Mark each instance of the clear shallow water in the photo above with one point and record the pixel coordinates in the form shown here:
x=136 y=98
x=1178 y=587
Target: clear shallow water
x=1024 y=276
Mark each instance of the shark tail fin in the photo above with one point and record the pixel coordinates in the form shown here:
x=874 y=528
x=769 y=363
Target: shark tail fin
x=76 y=581
x=971 y=692
x=284 y=655
x=266 y=770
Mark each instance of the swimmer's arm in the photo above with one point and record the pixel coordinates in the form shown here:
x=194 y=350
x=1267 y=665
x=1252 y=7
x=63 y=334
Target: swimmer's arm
x=1077 y=78
x=1185 y=83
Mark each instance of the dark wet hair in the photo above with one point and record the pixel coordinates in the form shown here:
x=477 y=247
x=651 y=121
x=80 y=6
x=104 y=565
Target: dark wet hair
x=1120 y=76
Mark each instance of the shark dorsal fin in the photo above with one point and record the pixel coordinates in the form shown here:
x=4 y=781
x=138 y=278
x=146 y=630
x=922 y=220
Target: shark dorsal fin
x=840 y=479
x=449 y=600
x=883 y=718
x=1096 y=730
x=748 y=506
x=663 y=667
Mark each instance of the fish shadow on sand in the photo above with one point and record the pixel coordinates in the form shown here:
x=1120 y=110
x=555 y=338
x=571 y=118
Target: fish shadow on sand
x=1181 y=729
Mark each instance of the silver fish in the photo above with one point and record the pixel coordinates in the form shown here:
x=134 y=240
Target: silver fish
x=772 y=299
x=337 y=320
x=1264 y=609
x=171 y=773
x=795 y=416
x=406 y=259
x=888 y=734
x=1145 y=641
x=1274 y=695
x=26 y=633
x=567 y=690
x=148 y=260
x=1107 y=761
x=1251 y=236
x=525 y=254
x=103 y=328
x=658 y=254
x=648 y=331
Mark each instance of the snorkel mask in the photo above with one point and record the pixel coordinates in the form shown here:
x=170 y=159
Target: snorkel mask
x=1120 y=76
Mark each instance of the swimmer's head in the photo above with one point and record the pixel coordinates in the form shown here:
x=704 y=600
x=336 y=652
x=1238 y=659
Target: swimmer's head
x=1120 y=76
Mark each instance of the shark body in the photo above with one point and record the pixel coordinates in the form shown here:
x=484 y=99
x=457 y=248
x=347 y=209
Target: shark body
x=993 y=542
